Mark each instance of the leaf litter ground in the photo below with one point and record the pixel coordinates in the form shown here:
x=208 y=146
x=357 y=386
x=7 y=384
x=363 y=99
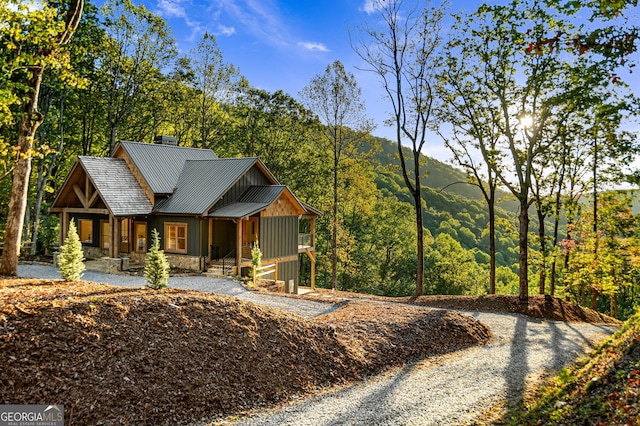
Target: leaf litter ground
x=115 y=355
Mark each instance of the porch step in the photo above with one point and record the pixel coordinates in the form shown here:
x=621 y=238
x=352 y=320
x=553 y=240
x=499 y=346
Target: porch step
x=218 y=271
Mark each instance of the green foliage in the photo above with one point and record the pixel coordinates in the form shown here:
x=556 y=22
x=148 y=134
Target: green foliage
x=71 y=258
x=601 y=389
x=156 y=269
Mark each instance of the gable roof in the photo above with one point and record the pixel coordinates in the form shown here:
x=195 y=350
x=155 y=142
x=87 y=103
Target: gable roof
x=116 y=184
x=161 y=165
x=203 y=182
x=254 y=200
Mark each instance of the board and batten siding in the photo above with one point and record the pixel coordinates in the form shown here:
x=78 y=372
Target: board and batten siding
x=253 y=177
x=193 y=232
x=279 y=236
x=288 y=271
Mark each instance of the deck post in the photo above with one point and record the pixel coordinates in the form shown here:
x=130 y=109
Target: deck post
x=312 y=258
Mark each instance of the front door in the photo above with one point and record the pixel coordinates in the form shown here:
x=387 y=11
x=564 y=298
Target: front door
x=249 y=236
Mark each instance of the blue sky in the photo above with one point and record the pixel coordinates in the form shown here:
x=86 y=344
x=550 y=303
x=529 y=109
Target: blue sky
x=282 y=44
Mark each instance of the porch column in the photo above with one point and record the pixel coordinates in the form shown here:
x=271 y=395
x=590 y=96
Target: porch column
x=64 y=226
x=239 y=244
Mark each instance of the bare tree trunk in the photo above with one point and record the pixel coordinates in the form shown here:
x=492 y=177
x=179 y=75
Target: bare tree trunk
x=542 y=274
x=523 y=257
x=492 y=243
x=334 y=239
x=43 y=179
x=29 y=123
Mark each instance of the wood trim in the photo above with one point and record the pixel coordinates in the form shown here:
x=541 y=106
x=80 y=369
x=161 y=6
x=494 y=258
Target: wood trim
x=239 y=243
x=124 y=155
x=64 y=210
x=186 y=237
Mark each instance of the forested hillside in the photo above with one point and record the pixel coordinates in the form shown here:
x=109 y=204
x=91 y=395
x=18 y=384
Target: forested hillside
x=122 y=78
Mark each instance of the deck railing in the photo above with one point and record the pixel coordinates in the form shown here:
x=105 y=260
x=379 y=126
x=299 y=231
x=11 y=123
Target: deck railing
x=304 y=240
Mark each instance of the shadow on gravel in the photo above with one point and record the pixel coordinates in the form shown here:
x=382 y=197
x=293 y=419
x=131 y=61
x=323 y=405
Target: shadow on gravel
x=378 y=401
x=516 y=372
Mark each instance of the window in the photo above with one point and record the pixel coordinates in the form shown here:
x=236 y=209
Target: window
x=175 y=237
x=141 y=236
x=105 y=234
x=85 y=230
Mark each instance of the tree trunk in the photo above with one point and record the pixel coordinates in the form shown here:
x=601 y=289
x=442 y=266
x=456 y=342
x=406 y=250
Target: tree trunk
x=29 y=123
x=492 y=242
x=542 y=274
x=334 y=232
x=523 y=261
x=417 y=197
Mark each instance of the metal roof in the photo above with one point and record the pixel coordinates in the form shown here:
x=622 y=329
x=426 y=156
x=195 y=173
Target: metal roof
x=117 y=186
x=261 y=194
x=161 y=165
x=252 y=201
x=202 y=183
x=238 y=210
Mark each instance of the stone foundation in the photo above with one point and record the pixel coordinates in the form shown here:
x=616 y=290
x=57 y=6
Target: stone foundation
x=94 y=252
x=108 y=265
x=183 y=262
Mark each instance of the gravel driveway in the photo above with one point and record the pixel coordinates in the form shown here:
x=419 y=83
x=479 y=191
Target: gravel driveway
x=304 y=308
x=445 y=390
x=450 y=389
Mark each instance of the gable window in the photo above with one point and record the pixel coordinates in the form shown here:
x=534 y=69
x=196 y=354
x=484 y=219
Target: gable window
x=175 y=237
x=85 y=230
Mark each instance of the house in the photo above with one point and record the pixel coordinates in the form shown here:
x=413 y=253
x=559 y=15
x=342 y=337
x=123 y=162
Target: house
x=209 y=211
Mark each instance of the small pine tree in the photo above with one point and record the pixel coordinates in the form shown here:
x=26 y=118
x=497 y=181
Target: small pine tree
x=256 y=261
x=156 y=269
x=71 y=259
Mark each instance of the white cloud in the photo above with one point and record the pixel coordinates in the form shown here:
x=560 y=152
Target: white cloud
x=313 y=46
x=225 y=31
x=172 y=8
x=371 y=6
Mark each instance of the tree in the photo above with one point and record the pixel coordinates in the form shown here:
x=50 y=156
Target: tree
x=71 y=259
x=473 y=132
x=336 y=98
x=214 y=82
x=156 y=269
x=137 y=43
x=37 y=39
x=402 y=55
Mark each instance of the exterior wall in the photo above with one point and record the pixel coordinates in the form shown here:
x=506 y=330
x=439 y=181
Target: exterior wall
x=92 y=250
x=223 y=236
x=279 y=236
x=281 y=207
x=184 y=262
x=288 y=271
x=253 y=177
x=194 y=245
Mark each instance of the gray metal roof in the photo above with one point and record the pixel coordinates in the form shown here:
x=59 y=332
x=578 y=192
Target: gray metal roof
x=254 y=200
x=161 y=165
x=238 y=210
x=202 y=183
x=261 y=194
x=117 y=186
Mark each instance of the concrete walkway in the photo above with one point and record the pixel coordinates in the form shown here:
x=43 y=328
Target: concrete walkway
x=223 y=286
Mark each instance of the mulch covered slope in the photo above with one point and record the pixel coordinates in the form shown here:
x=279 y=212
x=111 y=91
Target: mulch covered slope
x=545 y=307
x=138 y=356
